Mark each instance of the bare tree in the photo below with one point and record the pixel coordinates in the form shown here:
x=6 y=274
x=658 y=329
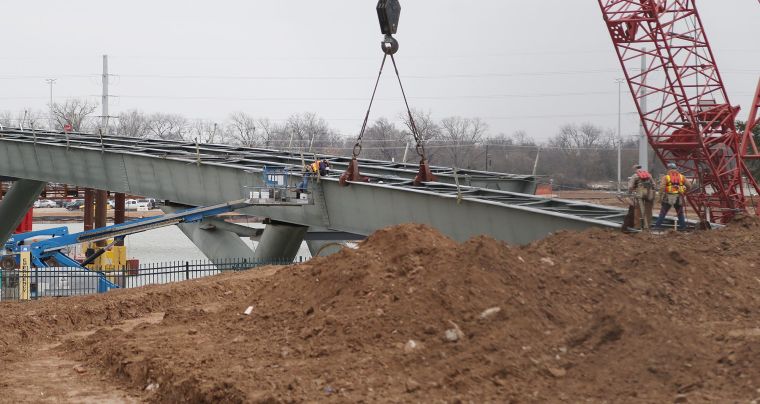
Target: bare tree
x=585 y=136
x=133 y=123
x=241 y=129
x=269 y=131
x=75 y=112
x=308 y=132
x=206 y=132
x=384 y=141
x=7 y=119
x=427 y=129
x=579 y=154
x=461 y=135
x=167 y=126
x=521 y=138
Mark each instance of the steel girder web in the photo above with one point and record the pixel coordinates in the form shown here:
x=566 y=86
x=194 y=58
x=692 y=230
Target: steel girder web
x=690 y=121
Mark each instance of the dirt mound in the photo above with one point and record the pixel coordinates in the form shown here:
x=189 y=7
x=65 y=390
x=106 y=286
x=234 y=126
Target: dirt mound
x=414 y=316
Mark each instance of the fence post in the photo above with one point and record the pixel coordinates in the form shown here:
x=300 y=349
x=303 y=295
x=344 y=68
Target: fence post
x=187 y=270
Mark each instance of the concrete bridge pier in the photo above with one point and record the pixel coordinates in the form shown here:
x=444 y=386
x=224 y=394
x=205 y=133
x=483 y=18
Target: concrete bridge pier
x=280 y=241
x=323 y=248
x=215 y=243
x=16 y=203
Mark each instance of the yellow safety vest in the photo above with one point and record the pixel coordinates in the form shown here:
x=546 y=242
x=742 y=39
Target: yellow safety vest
x=675 y=183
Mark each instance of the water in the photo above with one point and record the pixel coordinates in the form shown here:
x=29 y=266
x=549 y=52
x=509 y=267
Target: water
x=164 y=244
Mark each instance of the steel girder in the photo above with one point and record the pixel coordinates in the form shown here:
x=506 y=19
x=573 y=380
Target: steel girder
x=360 y=208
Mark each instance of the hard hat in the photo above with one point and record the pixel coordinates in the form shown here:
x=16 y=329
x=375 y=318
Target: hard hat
x=672 y=166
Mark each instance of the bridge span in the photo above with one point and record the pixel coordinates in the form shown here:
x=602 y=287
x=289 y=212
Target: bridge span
x=500 y=205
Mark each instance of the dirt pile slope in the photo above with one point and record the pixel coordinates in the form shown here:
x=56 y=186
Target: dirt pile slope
x=414 y=316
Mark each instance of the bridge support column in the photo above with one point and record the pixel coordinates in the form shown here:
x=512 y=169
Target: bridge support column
x=280 y=241
x=15 y=204
x=214 y=243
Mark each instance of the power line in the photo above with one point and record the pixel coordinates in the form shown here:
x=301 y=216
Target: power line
x=352 y=99
x=411 y=76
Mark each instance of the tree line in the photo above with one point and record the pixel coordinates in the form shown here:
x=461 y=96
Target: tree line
x=577 y=155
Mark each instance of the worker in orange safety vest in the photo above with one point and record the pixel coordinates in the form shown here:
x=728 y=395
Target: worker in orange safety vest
x=673 y=188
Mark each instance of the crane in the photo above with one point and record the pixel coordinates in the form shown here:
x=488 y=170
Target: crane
x=669 y=66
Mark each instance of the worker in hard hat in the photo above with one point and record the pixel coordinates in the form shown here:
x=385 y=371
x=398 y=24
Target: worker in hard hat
x=673 y=188
x=303 y=186
x=320 y=166
x=641 y=185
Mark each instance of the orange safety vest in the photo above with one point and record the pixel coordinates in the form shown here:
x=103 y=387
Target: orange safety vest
x=675 y=183
x=643 y=174
x=315 y=166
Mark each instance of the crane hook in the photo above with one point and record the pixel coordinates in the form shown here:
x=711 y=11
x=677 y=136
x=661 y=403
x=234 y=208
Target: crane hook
x=389 y=45
x=388 y=14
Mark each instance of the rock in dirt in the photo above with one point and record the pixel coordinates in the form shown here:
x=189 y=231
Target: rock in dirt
x=412 y=386
x=411 y=346
x=451 y=335
x=489 y=312
x=556 y=371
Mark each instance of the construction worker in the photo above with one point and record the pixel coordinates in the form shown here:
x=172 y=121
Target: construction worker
x=673 y=187
x=303 y=187
x=320 y=166
x=641 y=185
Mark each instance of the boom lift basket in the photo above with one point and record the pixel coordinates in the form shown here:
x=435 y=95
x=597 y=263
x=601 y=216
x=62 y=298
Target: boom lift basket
x=279 y=187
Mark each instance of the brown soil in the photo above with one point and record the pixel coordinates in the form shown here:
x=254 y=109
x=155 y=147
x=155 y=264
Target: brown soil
x=595 y=316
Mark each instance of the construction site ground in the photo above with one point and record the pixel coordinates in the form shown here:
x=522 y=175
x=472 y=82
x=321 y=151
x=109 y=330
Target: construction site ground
x=412 y=316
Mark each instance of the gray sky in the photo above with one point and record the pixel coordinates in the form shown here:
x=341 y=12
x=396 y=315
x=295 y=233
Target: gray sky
x=520 y=65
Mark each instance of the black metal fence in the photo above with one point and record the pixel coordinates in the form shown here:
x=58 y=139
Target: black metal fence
x=64 y=281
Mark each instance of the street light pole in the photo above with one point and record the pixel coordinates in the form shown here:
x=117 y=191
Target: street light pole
x=50 y=119
x=619 y=134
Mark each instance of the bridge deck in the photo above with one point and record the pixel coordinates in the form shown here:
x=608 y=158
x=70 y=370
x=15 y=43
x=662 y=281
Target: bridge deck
x=206 y=174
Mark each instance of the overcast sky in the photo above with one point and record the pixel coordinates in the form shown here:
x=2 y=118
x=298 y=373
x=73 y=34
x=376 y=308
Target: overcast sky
x=519 y=65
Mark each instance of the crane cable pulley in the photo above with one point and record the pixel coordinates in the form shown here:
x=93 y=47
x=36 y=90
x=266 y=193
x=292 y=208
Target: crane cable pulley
x=388 y=12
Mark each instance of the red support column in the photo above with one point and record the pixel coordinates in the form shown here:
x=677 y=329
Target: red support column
x=119 y=211
x=89 y=208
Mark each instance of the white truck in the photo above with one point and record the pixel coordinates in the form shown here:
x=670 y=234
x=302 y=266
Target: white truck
x=133 y=204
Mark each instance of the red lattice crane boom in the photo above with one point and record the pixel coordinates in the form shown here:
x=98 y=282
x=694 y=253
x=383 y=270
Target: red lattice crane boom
x=690 y=121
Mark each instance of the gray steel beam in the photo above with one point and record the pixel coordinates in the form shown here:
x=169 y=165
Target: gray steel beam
x=360 y=208
x=280 y=241
x=242 y=231
x=15 y=205
x=216 y=244
x=378 y=170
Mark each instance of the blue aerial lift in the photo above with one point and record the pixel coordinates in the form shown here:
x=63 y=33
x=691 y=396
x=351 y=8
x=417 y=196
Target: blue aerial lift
x=48 y=252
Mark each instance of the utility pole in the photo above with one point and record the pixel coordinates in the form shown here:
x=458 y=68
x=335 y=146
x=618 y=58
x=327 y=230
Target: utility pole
x=104 y=98
x=643 y=144
x=619 y=134
x=486 y=169
x=50 y=119
x=535 y=163
x=101 y=196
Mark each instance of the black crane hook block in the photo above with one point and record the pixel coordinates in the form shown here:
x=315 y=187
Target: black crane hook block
x=388 y=12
